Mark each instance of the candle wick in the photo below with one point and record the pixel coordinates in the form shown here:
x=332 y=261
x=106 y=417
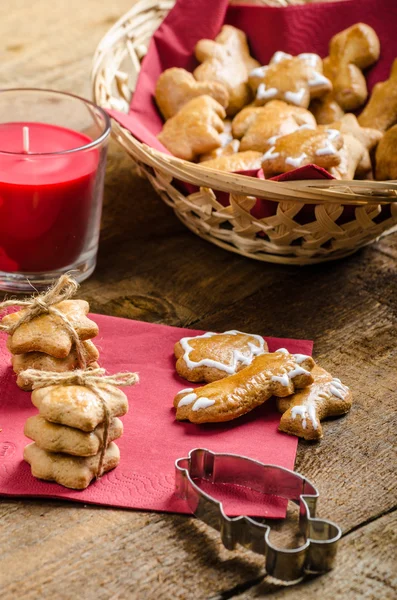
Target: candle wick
x=26 y=141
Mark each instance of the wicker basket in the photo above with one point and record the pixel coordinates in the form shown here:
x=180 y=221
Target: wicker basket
x=279 y=238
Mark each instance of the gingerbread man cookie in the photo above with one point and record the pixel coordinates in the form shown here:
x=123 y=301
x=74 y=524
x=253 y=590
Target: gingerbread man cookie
x=69 y=440
x=73 y=472
x=47 y=333
x=175 y=87
x=227 y=60
x=294 y=79
x=278 y=374
x=45 y=362
x=78 y=406
x=302 y=412
x=386 y=156
x=241 y=161
x=195 y=129
x=381 y=110
x=213 y=356
x=259 y=127
x=303 y=147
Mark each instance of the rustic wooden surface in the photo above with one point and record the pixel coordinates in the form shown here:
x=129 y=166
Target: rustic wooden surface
x=151 y=268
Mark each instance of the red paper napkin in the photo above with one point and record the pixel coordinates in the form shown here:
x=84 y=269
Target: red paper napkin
x=153 y=440
x=293 y=29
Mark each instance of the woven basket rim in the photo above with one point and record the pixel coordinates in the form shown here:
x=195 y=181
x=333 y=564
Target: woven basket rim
x=304 y=191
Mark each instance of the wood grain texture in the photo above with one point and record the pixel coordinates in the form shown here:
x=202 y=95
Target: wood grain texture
x=151 y=268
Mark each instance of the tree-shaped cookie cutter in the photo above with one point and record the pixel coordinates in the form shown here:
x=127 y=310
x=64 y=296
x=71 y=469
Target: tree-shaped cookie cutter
x=321 y=536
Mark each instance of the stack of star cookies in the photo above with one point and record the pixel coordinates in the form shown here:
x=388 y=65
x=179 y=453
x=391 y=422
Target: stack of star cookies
x=44 y=342
x=73 y=434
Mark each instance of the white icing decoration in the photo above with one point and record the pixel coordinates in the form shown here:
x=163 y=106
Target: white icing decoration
x=297 y=371
x=258 y=72
x=336 y=392
x=283 y=351
x=279 y=57
x=202 y=403
x=310 y=58
x=188 y=399
x=306 y=126
x=329 y=148
x=295 y=97
x=318 y=79
x=296 y=162
x=336 y=388
x=300 y=358
x=305 y=412
x=238 y=357
x=263 y=93
x=332 y=134
x=270 y=154
x=185 y=391
x=272 y=139
x=284 y=379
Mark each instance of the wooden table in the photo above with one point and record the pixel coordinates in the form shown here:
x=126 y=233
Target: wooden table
x=151 y=268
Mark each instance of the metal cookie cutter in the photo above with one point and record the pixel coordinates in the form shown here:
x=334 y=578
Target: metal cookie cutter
x=316 y=555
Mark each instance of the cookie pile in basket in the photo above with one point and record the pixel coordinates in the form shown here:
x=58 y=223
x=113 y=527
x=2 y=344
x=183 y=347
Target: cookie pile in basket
x=234 y=114
x=240 y=374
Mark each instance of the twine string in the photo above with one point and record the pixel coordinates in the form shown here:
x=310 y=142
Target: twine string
x=63 y=289
x=92 y=379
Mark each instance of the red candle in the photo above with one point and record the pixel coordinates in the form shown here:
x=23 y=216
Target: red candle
x=45 y=198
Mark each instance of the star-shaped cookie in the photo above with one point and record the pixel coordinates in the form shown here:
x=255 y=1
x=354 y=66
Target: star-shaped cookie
x=294 y=79
x=47 y=333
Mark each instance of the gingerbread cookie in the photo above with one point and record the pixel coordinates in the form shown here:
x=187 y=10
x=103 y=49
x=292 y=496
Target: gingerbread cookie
x=326 y=110
x=241 y=161
x=175 y=87
x=302 y=412
x=303 y=147
x=227 y=60
x=354 y=159
x=45 y=362
x=259 y=127
x=47 y=333
x=294 y=79
x=381 y=110
x=195 y=129
x=386 y=156
x=77 y=405
x=351 y=51
x=357 y=143
x=228 y=144
x=69 y=440
x=278 y=374
x=70 y=471
x=213 y=356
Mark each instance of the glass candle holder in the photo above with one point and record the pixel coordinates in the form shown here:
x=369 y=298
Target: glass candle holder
x=53 y=149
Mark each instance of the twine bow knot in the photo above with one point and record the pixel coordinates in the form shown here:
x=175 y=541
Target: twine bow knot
x=33 y=307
